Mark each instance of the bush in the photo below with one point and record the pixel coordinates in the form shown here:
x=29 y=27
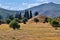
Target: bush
x=36 y=20
x=24 y=20
x=3 y=21
x=8 y=21
x=10 y=17
x=54 y=23
x=14 y=24
x=45 y=20
x=16 y=19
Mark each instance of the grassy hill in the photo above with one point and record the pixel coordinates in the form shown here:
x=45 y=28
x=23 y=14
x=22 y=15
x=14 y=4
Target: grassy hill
x=31 y=31
x=39 y=17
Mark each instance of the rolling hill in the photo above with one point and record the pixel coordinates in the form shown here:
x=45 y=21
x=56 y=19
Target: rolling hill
x=39 y=17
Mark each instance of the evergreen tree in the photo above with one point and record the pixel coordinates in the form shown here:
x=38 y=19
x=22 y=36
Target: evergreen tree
x=10 y=17
x=30 y=14
x=1 y=17
x=20 y=16
x=26 y=15
x=36 y=13
x=16 y=15
x=7 y=20
x=24 y=20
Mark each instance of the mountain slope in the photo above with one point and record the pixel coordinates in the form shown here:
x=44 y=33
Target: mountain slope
x=48 y=9
x=5 y=12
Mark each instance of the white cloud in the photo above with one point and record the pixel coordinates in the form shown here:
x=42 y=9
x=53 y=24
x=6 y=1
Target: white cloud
x=38 y=2
x=24 y=5
x=15 y=8
x=43 y=1
x=34 y=4
x=9 y=7
x=28 y=5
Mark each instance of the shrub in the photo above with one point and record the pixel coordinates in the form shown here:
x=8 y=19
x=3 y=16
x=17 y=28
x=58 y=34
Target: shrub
x=8 y=21
x=16 y=19
x=36 y=20
x=45 y=20
x=14 y=24
x=54 y=23
x=3 y=21
x=24 y=20
x=10 y=17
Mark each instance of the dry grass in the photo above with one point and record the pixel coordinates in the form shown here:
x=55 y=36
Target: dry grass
x=31 y=31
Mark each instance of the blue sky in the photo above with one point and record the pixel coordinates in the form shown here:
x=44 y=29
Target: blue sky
x=23 y=4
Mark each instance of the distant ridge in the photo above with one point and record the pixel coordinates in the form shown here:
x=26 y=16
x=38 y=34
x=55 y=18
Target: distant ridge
x=49 y=9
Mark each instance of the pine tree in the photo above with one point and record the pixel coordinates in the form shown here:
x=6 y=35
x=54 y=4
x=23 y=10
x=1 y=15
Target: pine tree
x=10 y=17
x=30 y=14
x=20 y=16
x=26 y=15
x=1 y=17
x=16 y=15
x=36 y=13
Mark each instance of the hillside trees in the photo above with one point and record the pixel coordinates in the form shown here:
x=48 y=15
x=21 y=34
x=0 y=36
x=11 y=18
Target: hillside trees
x=10 y=17
x=24 y=20
x=46 y=20
x=26 y=14
x=36 y=13
x=31 y=14
x=7 y=20
x=1 y=19
x=54 y=23
x=19 y=16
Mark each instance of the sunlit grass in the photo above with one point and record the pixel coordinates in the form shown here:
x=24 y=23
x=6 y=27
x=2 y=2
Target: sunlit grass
x=33 y=31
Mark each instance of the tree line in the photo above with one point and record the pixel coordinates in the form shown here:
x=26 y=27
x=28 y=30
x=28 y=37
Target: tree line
x=14 y=21
x=18 y=18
